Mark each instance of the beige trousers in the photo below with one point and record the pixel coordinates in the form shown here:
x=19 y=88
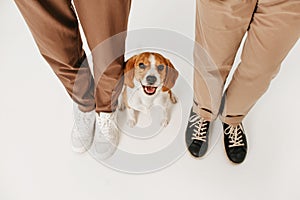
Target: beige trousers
x=54 y=26
x=272 y=27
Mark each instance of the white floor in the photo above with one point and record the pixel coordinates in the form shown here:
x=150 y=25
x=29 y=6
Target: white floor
x=36 y=161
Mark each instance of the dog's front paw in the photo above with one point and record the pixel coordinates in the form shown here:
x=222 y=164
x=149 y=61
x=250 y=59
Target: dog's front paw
x=174 y=99
x=122 y=107
x=165 y=122
x=131 y=123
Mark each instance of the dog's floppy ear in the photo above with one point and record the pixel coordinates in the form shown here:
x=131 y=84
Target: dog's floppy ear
x=171 y=76
x=129 y=72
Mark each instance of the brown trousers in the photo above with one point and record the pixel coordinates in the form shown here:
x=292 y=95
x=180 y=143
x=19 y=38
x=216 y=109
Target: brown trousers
x=272 y=26
x=54 y=26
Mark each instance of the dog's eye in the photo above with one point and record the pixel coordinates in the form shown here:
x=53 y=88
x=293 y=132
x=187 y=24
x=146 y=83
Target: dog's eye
x=160 y=67
x=142 y=65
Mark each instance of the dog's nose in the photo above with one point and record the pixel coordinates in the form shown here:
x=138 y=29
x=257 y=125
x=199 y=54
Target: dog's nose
x=151 y=79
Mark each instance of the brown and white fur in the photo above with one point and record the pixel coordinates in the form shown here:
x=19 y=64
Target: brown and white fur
x=148 y=79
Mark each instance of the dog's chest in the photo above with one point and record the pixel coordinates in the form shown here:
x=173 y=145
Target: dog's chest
x=138 y=100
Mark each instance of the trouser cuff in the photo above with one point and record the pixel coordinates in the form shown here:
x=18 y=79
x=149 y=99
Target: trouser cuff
x=86 y=108
x=204 y=113
x=232 y=120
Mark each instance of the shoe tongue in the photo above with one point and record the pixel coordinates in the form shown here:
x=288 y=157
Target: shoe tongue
x=104 y=115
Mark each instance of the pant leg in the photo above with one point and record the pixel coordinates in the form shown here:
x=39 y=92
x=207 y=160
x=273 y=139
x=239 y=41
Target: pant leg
x=274 y=31
x=101 y=21
x=54 y=27
x=220 y=27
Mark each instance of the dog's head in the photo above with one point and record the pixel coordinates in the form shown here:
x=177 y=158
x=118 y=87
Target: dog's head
x=152 y=71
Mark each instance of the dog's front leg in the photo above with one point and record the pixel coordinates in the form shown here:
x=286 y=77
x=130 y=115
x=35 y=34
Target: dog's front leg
x=166 y=114
x=123 y=101
x=121 y=106
x=167 y=108
x=132 y=117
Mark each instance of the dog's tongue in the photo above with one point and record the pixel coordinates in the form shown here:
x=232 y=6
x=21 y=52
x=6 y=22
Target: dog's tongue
x=150 y=89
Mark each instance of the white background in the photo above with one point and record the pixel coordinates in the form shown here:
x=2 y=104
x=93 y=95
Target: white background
x=36 y=161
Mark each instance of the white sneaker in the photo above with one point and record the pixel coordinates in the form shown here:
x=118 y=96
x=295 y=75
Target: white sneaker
x=83 y=130
x=106 y=137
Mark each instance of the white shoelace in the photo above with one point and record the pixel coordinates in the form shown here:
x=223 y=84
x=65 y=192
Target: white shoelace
x=83 y=118
x=235 y=135
x=82 y=123
x=106 y=125
x=200 y=128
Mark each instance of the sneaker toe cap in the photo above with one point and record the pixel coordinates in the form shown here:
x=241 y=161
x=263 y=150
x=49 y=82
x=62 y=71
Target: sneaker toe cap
x=237 y=155
x=103 y=150
x=102 y=147
x=197 y=149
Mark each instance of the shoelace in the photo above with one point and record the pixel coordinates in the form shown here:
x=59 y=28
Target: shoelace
x=200 y=128
x=81 y=124
x=106 y=125
x=235 y=135
x=83 y=120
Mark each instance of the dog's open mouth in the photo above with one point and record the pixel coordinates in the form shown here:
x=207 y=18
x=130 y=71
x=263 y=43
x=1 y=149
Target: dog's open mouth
x=149 y=90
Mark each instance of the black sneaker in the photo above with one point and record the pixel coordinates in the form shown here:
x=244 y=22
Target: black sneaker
x=196 y=135
x=235 y=142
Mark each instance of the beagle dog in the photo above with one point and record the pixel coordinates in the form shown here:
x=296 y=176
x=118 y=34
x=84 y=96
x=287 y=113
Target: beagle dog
x=148 y=79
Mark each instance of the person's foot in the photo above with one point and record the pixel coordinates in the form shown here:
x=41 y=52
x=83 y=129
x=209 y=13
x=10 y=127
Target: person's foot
x=235 y=142
x=106 y=137
x=196 y=135
x=83 y=130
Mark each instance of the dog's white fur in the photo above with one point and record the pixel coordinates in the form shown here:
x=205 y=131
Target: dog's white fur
x=134 y=96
